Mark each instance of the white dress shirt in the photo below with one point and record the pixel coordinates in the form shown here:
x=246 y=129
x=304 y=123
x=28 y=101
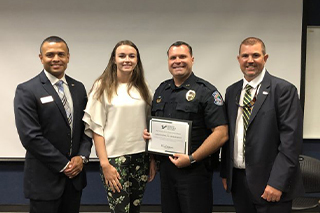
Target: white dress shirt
x=239 y=160
x=67 y=93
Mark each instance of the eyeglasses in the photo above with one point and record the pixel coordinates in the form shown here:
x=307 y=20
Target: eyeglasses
x=251 y=103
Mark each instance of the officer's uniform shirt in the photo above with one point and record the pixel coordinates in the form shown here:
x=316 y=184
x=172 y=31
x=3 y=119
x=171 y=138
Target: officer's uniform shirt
x=195 y=100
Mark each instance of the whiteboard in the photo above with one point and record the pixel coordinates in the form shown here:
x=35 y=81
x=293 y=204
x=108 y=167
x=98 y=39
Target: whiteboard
x=214 y=28
x=311 y=128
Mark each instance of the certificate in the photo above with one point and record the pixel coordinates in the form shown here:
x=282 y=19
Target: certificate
x=169 y=136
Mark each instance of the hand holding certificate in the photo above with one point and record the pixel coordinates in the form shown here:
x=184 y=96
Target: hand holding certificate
x=169 y=136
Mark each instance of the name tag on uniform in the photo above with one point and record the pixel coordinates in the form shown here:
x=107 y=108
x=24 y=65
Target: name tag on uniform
x=46 y=99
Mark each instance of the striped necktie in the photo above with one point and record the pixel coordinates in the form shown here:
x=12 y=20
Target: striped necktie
x=64 y=101
x=247 y=108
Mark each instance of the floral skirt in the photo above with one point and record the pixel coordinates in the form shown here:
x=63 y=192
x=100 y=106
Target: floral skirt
x=133 y=170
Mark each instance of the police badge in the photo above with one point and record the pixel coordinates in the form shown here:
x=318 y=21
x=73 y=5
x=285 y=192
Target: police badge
x=190 y=95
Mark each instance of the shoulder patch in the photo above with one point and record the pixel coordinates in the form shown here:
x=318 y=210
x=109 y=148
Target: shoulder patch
x=217 y=98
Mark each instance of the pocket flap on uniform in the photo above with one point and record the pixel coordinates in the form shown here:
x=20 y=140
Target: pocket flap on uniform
x=157 y=107
x=188 y=107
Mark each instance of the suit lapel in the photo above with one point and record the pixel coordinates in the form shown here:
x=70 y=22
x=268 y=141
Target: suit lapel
x=49 y=88
x=262 y=95
x=233 y=106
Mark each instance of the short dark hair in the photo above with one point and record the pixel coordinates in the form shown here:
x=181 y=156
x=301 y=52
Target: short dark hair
x=178 y=44
x=253 y=41
x=55 y=39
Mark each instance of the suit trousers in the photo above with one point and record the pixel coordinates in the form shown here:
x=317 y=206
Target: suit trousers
x=186 y=190
x=244 y=202
x=69 y=202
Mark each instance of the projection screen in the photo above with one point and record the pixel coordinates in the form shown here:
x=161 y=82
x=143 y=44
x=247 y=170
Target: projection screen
x=214 y=28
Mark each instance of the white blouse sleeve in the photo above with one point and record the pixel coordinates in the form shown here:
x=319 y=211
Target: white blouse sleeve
x=95 y=114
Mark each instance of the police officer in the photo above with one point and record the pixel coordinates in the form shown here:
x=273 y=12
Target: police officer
x=186 y=180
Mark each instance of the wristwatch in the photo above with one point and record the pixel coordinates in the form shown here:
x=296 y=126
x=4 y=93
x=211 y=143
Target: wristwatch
x=84 y=159
x=192 y=160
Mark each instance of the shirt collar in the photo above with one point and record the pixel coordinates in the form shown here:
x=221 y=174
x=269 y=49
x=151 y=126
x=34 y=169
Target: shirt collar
x=186 y=84
x=256 y=81
x=53 y=80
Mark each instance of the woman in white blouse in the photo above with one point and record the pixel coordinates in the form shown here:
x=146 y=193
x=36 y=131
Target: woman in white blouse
x=115 y=118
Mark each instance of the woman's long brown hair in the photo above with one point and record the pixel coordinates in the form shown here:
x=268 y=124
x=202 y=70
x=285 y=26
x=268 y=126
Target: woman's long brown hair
x=108 y=80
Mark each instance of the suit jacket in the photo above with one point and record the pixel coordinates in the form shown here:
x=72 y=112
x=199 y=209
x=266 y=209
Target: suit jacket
x=44 y=131
x=273 y=138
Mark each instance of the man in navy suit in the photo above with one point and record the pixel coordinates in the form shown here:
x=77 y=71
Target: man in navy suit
x=260 y=165
x=52 y=132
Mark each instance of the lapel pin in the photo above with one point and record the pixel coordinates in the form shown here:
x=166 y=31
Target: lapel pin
x=265 y=93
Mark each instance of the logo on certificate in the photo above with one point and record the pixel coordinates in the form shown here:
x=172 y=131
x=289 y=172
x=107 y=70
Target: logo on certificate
x=168 y=127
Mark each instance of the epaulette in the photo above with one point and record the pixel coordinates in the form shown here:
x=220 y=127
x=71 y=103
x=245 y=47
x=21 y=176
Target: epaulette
x=164 y=83
x=206 y=84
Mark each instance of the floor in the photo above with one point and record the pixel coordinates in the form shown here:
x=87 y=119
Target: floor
x=144 y=209
x=105 y=209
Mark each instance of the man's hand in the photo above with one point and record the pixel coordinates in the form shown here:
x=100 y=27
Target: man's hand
x=74 y=168
x=224 y=183
x=180 y=160
x=146 y=135
x=152 y=170
x=271 y=194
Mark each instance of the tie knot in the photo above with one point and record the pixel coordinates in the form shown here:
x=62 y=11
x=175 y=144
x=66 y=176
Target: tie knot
x=248 y=87
x=59 y=83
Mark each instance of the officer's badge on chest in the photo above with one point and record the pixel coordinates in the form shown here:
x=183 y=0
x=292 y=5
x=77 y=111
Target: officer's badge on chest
x=190 y=95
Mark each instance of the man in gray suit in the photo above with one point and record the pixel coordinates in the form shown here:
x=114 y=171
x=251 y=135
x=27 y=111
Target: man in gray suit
x=259 y=164
x=48 y=112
